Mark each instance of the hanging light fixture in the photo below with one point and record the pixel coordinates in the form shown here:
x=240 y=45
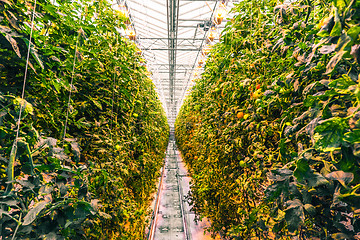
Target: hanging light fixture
x=220 y=14
x=211 y=34
x=130 y=32
x=124 y=12
x=206 y=50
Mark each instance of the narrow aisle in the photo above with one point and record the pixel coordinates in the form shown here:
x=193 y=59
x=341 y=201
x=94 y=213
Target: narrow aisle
x=174 y=220
x=169 y=223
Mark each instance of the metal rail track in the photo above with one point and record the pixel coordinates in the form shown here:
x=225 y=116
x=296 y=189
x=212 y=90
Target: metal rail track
x=169 y=219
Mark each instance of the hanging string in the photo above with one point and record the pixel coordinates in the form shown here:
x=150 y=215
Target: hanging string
x=71 y=86
x=10 y=169
x=25 y=75
x=71 y=83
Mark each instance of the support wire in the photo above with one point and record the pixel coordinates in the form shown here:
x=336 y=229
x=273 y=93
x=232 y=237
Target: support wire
x=71 y=82
x=10 y=169
x=70 y=91
x=25 y=74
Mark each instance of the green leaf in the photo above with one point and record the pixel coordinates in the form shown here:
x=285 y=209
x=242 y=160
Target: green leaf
x=315 y=179
x=340 y=4
x=351 y=198
x=344 y=178
x=353 y=136
x=329 y=134
x=353 y=32
x=302 y=167
x=50 y=9
x=294 y=215
x=83 y=209
x=281 y=174
x=97 y=104
x=310 y=209
x=31 y=215
x=334 y=61
x=326 y=49
x=52 y=236
x=328 y=23
x=34 y=53
x=342 y=83
x=336 y=30
x=340 y=236
x=344 y=43
x=14 y=45
x=343 y=48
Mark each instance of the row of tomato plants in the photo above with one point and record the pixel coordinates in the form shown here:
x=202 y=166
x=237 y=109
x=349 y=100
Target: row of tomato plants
x=84 y=164
x=271 y=130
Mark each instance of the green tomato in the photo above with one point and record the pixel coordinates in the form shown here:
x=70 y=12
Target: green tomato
x=242 y=164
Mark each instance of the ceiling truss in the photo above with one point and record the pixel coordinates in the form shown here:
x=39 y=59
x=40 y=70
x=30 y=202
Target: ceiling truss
x=171 y=34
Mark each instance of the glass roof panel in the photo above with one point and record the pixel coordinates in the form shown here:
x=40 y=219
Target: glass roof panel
x=171 y=34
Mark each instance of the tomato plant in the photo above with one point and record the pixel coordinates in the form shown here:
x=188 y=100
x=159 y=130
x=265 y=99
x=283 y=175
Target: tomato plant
x=289 y=168
x=96 y=181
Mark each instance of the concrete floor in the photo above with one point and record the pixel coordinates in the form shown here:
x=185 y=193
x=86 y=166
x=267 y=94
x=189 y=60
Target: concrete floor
x=174 y=219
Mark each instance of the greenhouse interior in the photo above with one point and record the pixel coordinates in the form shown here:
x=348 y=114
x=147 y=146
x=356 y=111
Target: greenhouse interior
x=180 y=119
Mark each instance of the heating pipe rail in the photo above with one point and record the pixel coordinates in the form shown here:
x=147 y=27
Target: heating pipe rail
x=157 y=204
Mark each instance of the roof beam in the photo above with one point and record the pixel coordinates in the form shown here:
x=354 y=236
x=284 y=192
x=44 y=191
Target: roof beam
x=142 y=14
x=172 y=20
x=171 y=49
x=196 y=27
x=184 y=4
x=154 y=38
x=148 y=30
x=163 y=31
x=159 y=64
x=173 y=72
x=192 y=10
x=147 y=5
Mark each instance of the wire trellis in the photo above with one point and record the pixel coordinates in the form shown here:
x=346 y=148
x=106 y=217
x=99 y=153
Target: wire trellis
x=22 y=104
x=72 y=80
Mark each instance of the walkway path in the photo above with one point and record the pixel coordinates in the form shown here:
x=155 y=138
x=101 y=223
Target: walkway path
x=174 y=220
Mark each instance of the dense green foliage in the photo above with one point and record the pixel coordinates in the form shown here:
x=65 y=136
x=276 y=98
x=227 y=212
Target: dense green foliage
x=97 y=181
x=271 y=130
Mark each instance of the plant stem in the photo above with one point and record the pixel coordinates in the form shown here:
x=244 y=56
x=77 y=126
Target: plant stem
x=17 y=227
x=10 y=169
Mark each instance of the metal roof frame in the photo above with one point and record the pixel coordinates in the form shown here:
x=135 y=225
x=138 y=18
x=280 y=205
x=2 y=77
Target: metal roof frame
x=171 y=40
